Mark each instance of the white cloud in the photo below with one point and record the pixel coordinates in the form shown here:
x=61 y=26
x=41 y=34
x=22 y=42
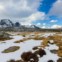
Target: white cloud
x=24 y=11
x=43 y=27
x=56 y=26
x=38 y=24
x=18 y=8
x=34 y=17
x=56 y=9
x=53 y=21
x=1 y=7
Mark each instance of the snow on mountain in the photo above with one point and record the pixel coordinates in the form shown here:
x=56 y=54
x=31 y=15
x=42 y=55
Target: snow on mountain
x=6 y=23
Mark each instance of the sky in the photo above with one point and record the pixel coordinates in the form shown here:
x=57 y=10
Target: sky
x=42 y=13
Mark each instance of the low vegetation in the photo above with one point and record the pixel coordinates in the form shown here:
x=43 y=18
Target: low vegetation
x=21 y=40
x=27 y=56
x=3 y=39
x=4 y=36
x=59 y=60
x=11 y=49
x=56 y=38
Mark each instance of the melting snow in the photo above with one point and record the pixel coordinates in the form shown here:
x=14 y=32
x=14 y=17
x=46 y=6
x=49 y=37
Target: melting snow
x=25 y=47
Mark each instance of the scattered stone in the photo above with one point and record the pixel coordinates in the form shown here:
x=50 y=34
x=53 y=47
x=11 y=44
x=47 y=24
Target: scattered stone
x=51 y=42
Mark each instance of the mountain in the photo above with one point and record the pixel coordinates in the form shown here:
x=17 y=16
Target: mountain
x=17 y=24
x=6 y=23
x=31 y=26
x=34 y=26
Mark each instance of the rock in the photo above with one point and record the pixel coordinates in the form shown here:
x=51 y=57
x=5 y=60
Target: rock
x=51 y=42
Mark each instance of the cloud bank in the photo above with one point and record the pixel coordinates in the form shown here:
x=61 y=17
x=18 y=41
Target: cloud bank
x=24 y=11
x=56 y=9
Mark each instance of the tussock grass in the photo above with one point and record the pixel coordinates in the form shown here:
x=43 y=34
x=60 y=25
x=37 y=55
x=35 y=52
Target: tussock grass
x=59 y=53
x=3 y=39
x=56 y=38
x=59 y=60
x=22 y=40
x=18 y=41
x=45 y=42
x=38 y=38
x=11 y=49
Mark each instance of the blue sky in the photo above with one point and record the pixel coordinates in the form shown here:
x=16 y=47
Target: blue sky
x=46 y=5
x=43 y=13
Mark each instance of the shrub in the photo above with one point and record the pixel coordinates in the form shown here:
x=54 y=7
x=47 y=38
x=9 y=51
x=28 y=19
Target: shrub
x=11 y=60
x=59 y=60
x=50 y=61
x=28 y=56
x=40 y=52
x=35 y=48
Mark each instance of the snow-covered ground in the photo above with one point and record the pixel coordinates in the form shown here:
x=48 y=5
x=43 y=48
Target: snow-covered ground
x=25 y=47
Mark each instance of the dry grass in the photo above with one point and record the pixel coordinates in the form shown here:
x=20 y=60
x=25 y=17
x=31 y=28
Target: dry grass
x=45 y=42
x=59 y=60
x=18 y=41
x=56 y=38
x=38 y=38
x=3 y=39
x=59 y=53
x=22 y=40
x=57 y=41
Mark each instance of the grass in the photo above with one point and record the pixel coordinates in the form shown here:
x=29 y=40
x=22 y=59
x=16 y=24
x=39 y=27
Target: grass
x=57 y=41
x=18 y=41
x=21 y=40
x=59 y=60
x=11 y=49
x=3 y=39
x=56 y=38
x=38 y=38
x=59 y=53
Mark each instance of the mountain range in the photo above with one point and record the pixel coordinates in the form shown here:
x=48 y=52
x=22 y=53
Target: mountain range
x=7 y=24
